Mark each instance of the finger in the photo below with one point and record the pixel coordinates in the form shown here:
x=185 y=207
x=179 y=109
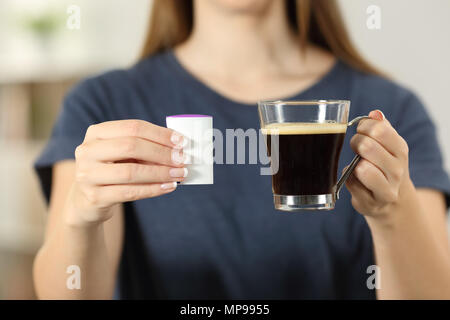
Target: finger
x=361 y=196
x=371 y=150
x=373 y=179
x=377 y=115
x=130 y=173
x=385 y=134
x=125 y=148
x=108 y=195
x=135 y=128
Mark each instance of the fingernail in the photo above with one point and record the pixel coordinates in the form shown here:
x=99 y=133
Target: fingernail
x=377 y=115
x=182 y=144
x=178 y=140
x=178 y=157
x=178 y=172
x=170 y=185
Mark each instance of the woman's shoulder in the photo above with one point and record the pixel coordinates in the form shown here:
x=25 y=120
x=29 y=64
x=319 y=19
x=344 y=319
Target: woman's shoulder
x=376 y=85
x=368 y=91
x=114 y=91
x=148 y=70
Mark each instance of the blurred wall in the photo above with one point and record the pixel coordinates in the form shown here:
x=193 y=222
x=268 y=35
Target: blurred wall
x=413 y=46
x=110 y=36
x=40 y=59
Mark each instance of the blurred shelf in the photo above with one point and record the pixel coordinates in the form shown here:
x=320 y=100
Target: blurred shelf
x=50 y=70
x=110 y=36
x=22 y=208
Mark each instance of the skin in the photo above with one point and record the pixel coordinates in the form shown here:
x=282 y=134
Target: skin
x=128 y=160
x=85 y=225
x=407 y=224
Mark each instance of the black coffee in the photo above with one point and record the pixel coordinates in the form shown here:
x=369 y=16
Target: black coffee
x=308 y=156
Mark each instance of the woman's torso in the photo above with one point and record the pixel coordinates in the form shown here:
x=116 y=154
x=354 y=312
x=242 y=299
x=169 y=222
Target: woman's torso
x=226 y=240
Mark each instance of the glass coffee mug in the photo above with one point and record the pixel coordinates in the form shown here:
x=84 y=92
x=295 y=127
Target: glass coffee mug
x=304 y=140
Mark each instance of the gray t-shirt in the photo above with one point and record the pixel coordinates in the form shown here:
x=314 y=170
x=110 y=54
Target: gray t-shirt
x=226 y=240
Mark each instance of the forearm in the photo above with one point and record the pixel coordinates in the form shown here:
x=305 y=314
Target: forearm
x=413 y=261
x=69 y=245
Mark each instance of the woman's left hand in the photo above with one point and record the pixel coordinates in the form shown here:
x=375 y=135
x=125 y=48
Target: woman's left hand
x=382 y=175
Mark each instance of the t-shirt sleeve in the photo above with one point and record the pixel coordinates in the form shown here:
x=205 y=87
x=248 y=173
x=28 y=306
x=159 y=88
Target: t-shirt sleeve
x=425 y=159
x=81 y=107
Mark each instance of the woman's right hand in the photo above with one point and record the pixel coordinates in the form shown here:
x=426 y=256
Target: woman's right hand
x=122 y=161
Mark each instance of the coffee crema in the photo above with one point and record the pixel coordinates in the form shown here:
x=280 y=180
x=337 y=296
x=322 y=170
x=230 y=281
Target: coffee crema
x=308 y=156
x=304 y=128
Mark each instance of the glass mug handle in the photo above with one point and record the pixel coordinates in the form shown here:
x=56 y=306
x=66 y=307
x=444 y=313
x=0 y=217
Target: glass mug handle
x=352 y=164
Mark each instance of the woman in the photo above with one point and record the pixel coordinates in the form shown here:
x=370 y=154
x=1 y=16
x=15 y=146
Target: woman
x=116 y=212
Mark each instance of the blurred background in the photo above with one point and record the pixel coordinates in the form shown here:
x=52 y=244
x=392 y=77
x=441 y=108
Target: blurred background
x=41 y=58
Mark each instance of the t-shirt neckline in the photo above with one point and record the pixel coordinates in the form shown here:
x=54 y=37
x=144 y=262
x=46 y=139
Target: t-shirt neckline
x=190 y=79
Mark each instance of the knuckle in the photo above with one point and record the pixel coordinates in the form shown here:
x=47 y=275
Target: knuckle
x=365 y=146
x=80 y=151
x=133 y=127
x=149 y=171
x=398 y=172
x=91 y=129
x=378 y=132
x=391 y=196
x=362 y=169
x=92 y=195
x=131 y=194
x=128 y=146
x=126 y=173
x=405 y=148
x=80 y=175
